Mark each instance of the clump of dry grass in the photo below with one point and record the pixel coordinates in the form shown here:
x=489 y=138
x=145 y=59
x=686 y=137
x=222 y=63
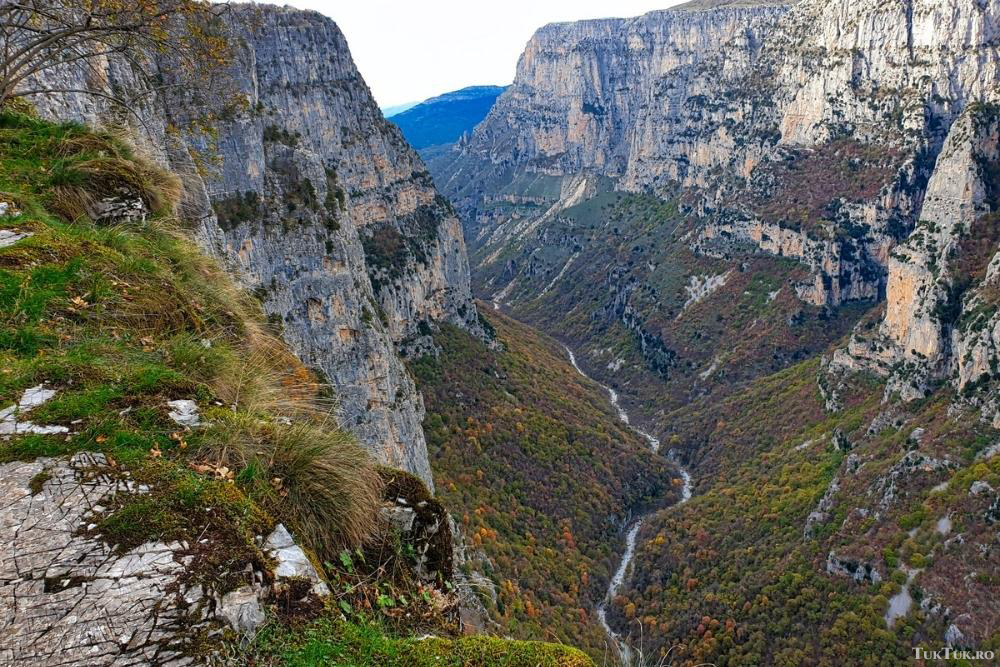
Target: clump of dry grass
x=268 y=379
x=261 y=375
x=98 y=165
x=315 y=474
x=277 y=434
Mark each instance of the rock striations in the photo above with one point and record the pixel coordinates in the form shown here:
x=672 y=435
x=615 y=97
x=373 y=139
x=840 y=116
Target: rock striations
x=941 y=300
x=811 y=130
x=328 y=215
x=333 y=218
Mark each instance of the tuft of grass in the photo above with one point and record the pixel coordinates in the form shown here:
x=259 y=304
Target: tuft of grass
x=265 y=378
x=317 y=475
x=79 y=184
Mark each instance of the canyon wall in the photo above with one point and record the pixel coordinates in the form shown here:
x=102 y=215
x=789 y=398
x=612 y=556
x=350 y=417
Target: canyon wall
x=670 y=95
x=325 y=212
x=810 y=130
x=726 y=98
x=588 y=95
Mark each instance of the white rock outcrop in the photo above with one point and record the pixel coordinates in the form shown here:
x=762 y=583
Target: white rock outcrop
x=11 y=418
x=9 y=237
x=66 y=597
x=292 y=560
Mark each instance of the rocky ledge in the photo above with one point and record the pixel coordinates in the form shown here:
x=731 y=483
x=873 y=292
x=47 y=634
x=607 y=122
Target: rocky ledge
x=70 y=597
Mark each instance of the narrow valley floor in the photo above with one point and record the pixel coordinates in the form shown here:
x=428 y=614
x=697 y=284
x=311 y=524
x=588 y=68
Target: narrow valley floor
x=541 y=475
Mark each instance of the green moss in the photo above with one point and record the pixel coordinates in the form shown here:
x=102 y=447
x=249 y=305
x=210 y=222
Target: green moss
x=36 y=483
x=339 y=643
x=438 y=552
x=142 y=520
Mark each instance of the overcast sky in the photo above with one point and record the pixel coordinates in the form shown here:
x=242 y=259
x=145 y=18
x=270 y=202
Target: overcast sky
x=409 y=51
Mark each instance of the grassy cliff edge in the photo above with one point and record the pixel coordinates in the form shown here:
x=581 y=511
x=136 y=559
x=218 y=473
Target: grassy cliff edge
x=121 y=316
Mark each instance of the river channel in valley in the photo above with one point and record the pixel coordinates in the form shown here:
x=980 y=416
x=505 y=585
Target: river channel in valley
x=625 y=651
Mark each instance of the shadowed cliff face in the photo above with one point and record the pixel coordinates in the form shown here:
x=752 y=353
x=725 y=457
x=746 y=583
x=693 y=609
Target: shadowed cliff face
x=346 y=240
x=327 y=214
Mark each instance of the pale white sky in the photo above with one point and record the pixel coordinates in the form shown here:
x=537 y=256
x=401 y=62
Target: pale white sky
x=411 y=50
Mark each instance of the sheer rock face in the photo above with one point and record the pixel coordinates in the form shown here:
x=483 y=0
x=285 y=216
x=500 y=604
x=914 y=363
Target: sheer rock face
x=592 y=95
x=716 y=97
x=672 y=94
x=348 y=242
x=326 y=213
x=851 y=135
x=941 y=317
x=966 y=196
x=604 y=96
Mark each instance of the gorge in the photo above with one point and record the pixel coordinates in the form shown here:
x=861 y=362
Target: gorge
x=754 y=222
x=684 y=347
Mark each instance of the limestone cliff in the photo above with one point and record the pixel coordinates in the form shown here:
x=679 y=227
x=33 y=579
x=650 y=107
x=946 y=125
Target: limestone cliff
x=327 y=214
x=732 y=99
x=334 y=219
x=940 y=320
x=669 y=95
x=587 y=95
x=811 y=131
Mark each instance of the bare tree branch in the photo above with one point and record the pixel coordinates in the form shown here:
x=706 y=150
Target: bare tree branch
x=78 y=37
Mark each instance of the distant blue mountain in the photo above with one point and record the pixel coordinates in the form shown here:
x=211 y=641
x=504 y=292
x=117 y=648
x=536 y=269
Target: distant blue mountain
x=389 y=112
x=443 y=119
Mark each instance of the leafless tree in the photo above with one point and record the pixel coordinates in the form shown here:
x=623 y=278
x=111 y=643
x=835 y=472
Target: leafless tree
x=81 y=37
